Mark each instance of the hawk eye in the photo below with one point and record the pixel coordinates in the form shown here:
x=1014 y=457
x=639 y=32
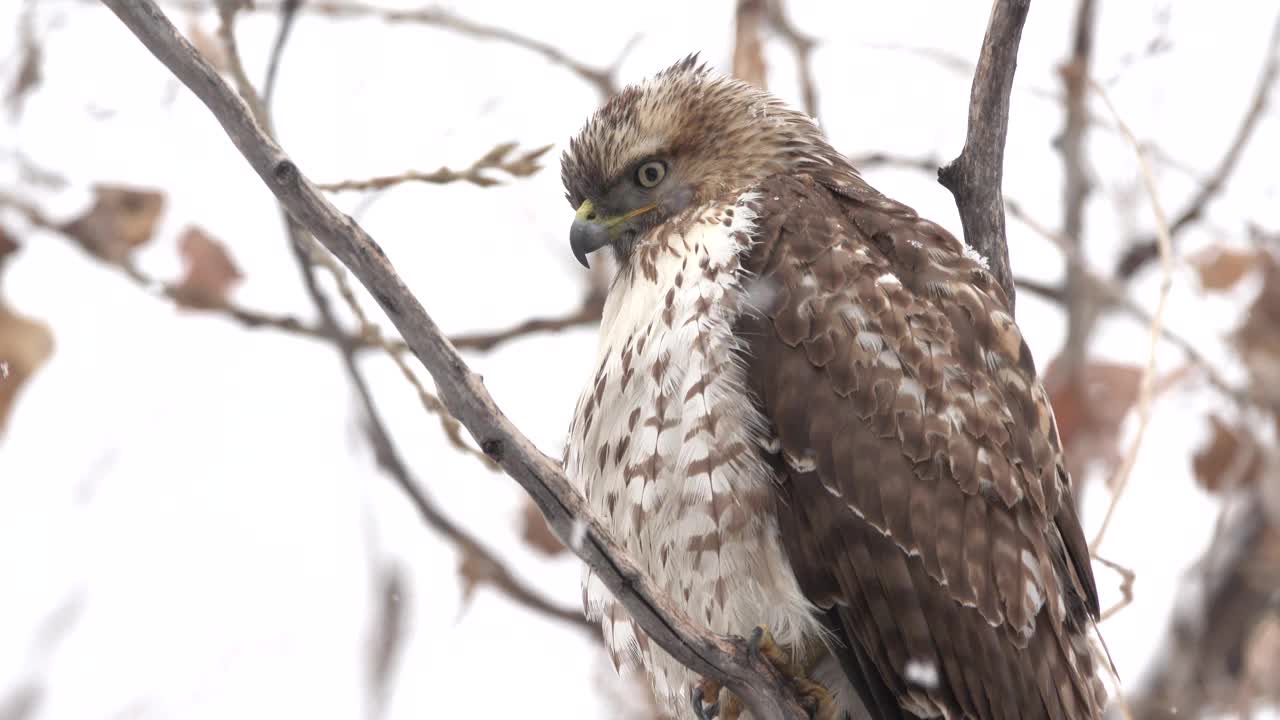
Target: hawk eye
x=651 y=173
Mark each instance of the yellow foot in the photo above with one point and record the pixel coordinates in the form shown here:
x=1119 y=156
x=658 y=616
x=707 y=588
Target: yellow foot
x=712 y=701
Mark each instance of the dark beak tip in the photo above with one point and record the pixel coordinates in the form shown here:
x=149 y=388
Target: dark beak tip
x=585 y=237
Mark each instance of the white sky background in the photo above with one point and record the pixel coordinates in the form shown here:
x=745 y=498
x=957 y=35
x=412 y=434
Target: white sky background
x=198 y=496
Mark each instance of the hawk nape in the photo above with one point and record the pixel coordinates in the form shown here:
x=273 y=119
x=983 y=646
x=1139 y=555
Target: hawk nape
x=812 y=411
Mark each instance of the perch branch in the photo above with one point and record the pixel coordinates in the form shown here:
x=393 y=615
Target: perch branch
x=387 y=455
x=747 y=674
x=974 y=177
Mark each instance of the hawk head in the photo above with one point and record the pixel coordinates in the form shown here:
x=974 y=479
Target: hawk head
x=678 y=140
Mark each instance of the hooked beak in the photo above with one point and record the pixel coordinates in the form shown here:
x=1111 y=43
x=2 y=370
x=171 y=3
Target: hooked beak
x=591 y=232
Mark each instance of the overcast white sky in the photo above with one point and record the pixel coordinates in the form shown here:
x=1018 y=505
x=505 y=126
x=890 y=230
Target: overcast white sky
x=197 y=497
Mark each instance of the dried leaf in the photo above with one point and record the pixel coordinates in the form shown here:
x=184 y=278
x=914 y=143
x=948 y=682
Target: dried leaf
x=1231 y=459
x=1220 y=268
x=1258 y=337
x=1090 y=408
x=25 y=345
x=210 y=272
x=497 y=154
x=7 y=243
x=121 y=219
x=537 y=533
x=474 y=570
x=208 y=46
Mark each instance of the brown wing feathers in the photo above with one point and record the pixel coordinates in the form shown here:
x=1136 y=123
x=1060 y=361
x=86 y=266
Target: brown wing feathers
x=923 y=497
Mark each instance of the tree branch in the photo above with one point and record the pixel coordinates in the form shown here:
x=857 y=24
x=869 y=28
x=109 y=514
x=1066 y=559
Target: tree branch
x=746 y=674
x=802 y=47
x=387 y=455
x=1147 y=249
x=1080 y=305
x=497 y=158
x=974 y=177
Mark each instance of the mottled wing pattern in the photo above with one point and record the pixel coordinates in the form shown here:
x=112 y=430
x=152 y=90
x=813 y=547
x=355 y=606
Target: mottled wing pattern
x=922 y=495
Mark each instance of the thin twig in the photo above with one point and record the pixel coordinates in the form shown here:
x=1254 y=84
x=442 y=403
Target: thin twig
x=1114 y=296
x=1121 y=482
x=586 y=314
x=729 y=660
x=975 y=176
x=288 y=13
x=925 y=163
x=498 y=158
x=603 y=80
x=1147 y=249
x=1127 y=576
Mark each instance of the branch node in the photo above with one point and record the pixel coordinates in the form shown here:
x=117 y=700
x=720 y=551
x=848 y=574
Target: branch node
x=285 y=172
x=493 y=448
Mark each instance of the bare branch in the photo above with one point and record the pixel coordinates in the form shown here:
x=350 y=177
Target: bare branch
x=974 y=177
x=1121 y=481
x=498 y=158
x=927 y=163
x=1147 y=249
x=802 y=46
x=604 y=80
x=746 y=674
x=1114 y=296
x=288 y=13
x=588 y=313
x=748 y=46
x=1081 y=308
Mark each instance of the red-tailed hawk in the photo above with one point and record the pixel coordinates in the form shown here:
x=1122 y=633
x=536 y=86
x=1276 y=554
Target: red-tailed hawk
x=813 y=411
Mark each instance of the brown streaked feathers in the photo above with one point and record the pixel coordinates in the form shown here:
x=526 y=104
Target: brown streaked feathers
x=937 y=510
x=864 y=368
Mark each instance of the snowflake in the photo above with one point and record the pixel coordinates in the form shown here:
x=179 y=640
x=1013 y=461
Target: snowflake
x=922 y=672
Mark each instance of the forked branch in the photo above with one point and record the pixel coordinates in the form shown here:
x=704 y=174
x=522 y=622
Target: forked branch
x=975 y=177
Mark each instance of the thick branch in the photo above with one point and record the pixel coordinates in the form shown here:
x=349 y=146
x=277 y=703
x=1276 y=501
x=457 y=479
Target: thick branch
x=974 y=178
x=748 y=675
x=1076 y=186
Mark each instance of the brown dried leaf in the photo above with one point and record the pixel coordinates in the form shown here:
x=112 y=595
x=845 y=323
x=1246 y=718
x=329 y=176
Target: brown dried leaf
x=474 y=570
x=210 y=273
x=1258 y=337
x=25 y=345
x=1095 y=401
x=7 y=243
x=121 y=219
x=1232 y=459
x=497 y=154
x=1220 y=268
x=208 y=46
x=537 y=533
x=1090 y=408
